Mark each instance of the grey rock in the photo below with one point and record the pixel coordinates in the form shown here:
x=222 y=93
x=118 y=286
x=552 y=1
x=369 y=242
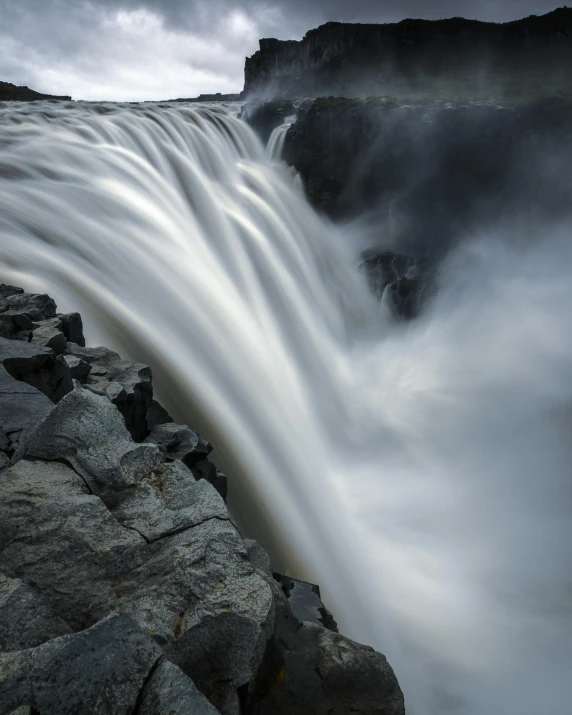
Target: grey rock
x=207 y=470
x=100 y=671
x=324 y=673
x=4 y=460
x=22 y=407
x=306 y=602
x=170 y=692
x=23 y=710
x=37 y=366
x=79 y=369
x=88 y=431
x=100 y=355
x=72 y=327
x=167 y=501
x=4 y=441
x=48 y=333
x=26 y=620
x=59 y=537
x=32 y=305
x=180 y=442
x=195 y=590
x=258 y=556
x=7 y=290
x=157 y=415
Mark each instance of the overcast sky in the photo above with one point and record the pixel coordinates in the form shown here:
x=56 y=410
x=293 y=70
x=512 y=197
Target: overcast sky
x=161 y=49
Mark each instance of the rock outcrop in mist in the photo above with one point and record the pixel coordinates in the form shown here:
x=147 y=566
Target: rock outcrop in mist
x=454 y=58
x=12 y=93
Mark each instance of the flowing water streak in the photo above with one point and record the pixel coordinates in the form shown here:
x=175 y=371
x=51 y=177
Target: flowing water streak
x=420 y=473
x=275 y=144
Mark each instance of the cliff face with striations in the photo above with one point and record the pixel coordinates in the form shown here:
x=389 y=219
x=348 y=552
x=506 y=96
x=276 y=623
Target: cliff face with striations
x=418 y=58
x=12 y=93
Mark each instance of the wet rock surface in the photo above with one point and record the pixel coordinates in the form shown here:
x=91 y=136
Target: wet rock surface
x=125 y=586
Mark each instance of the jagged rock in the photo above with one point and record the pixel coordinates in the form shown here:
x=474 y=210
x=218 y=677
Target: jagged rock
x=4 y=460
x=324 y=673
x=100 y=355
x=48 y=333
x=207 y=470
x=79 y=369
x=4 y=441
x=100 y=671
x=26 y=620
x=306 y=602
x=157 y=415
x=170 y=692
x=168 y=501
x=22 y=407
x=88 y=431
x=193 y=588
x=395 y=278
x=33 y=305
x=37 y=366
x=180 y=442
x=72 y=327
x=7 y=290
x=258 y=557
x=128 y=385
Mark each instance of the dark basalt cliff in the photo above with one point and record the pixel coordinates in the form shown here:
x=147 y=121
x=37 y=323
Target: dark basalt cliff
x=418 y=58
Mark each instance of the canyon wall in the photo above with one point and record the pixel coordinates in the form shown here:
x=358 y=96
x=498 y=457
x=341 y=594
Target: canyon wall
x=452 y=58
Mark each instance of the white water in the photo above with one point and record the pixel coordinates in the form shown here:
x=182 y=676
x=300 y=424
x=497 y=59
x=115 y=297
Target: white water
x=420 y=473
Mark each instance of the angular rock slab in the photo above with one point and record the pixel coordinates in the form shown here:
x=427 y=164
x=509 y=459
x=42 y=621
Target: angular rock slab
x=37 y=366
x=87 y=430
x=170 y=692
x=26 y=620
x=22 y=407
x=100 y=671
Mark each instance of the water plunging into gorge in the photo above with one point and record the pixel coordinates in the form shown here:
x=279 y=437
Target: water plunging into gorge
x=419 y=472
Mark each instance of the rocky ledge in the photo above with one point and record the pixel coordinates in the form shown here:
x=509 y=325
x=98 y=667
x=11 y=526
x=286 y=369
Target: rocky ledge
x=424 y=59
x=12 y=93
x=125 y=586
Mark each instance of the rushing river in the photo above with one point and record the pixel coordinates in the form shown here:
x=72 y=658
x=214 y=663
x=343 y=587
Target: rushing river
x=420 y=472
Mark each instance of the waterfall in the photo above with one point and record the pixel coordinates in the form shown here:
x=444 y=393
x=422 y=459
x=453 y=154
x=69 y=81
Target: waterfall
x=419 y=472
x=276 y=140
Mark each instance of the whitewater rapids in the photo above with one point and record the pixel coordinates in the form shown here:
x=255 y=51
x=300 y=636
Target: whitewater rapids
x=420 y=473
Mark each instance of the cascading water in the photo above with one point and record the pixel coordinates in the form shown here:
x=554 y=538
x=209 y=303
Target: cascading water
x=276 y=140
x=419 y=472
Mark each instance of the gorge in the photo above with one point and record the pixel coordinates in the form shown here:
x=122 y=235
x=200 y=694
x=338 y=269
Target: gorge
x=409 y=453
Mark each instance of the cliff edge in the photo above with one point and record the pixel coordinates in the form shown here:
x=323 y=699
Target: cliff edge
x=450 y=59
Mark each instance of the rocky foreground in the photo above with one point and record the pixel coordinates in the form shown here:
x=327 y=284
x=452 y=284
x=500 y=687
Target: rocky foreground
x=125 y=586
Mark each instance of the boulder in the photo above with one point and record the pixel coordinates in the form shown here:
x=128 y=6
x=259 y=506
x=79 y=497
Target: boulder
x=79 y=369
x=306 y=603
x=89 y=432
x=180 y=442
x=34 y=306
x=207 y=470
x=48 y=333
x=170 y=692
x=7 y=290
x=26 y=620
x=37 y=366
x=100 y=671
x=128 y=385
x=157 y=415
x=72 y=327
x=22 y=407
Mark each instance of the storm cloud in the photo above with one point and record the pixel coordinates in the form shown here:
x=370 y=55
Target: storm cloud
x=159 y=49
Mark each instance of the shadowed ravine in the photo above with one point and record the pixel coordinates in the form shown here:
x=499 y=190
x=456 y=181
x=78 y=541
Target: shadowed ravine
x=419 y=472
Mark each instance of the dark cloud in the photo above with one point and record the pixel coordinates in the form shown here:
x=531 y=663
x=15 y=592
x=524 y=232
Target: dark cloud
x=143 y=49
